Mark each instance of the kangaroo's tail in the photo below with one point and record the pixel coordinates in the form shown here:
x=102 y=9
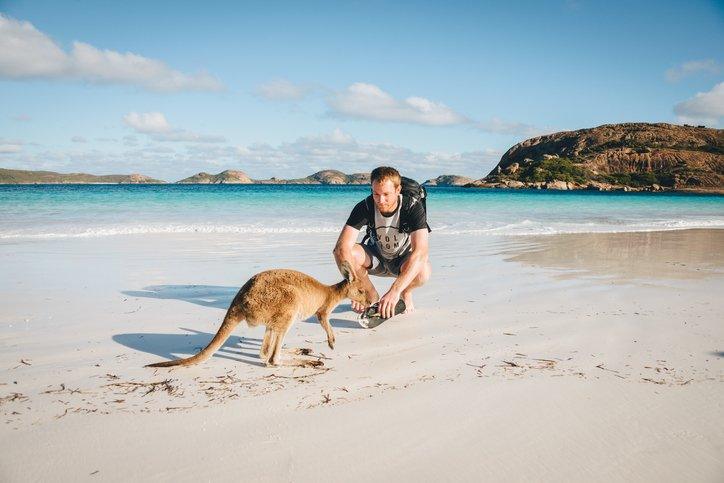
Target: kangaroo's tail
x=231 y=320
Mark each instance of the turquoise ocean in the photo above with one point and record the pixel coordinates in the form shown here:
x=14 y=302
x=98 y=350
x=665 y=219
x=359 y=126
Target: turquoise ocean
x=66 y=211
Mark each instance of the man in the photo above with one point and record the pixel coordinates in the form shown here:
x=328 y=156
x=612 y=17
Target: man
x=397 y=246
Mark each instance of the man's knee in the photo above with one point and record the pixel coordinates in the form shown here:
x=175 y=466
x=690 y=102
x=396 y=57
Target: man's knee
x=424 y=274
x=358 y=257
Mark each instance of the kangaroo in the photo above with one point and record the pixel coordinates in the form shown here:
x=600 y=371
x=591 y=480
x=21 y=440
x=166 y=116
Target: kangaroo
x=275 y=299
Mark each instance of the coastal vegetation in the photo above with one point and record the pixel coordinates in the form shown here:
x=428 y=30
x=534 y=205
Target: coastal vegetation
x=562 y=169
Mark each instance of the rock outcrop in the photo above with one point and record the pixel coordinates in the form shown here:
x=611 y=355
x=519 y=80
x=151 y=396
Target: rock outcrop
x=448 y=180
x=359 y=178
x=18 y=176
x=225 y=177
x=630 y=156
x=327 y=176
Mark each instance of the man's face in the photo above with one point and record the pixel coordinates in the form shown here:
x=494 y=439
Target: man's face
x=385 y=195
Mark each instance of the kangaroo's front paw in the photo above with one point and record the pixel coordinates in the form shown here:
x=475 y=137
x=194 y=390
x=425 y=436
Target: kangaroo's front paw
x=330 y=343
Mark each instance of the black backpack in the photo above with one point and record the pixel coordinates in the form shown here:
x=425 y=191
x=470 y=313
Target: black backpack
x=415 y=191
x=412 y=191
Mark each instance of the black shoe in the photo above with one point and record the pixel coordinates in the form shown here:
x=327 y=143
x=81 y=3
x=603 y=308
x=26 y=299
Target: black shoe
x=371 y=317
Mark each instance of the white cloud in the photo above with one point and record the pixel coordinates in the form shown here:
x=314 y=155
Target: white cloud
x=10 y=146
x=147 y=122
x=22 y=118
x=155 y=125
x=25 y=52
x=180 y=135
x=709 y=66
x=151 y=148
x=704 y=107
x=282 y=90
x=78 y=139
x=367 y=101
x=335 y=137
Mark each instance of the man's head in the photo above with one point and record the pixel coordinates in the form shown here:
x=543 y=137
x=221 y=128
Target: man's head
x=386 y=186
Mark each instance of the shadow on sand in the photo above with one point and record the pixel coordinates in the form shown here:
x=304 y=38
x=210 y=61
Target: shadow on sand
x=336 y=323
x=205 y=295
x=171 y=346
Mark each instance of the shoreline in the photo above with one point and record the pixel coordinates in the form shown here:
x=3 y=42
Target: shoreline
x=620 y=189
x=616 y=190
x=213 y=230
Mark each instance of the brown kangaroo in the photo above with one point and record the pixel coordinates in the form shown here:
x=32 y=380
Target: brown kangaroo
x=277 y=298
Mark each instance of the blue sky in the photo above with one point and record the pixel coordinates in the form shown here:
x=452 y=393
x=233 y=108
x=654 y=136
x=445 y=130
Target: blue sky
x=283 y=89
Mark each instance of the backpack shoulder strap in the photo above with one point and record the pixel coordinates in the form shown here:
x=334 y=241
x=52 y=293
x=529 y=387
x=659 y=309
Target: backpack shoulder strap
x=369 y=204
x=407 y=203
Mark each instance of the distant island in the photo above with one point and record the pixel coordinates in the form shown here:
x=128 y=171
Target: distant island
x=229 y=176
x=17 y=176
x=327 y=176
x=625 y=157
x=612 y=157
x=449 y=180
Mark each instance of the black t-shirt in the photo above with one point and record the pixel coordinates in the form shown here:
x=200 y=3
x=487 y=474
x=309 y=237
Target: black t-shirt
x=412 y=216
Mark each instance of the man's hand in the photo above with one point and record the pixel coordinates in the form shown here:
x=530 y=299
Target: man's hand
x=387 y=303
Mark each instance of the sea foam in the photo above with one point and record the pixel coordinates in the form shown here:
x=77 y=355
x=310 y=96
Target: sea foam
x=521 y=228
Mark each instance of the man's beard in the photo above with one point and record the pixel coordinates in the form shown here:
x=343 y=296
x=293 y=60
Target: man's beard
x=387 y=208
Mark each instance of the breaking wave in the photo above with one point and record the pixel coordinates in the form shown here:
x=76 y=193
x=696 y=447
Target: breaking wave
x=519 y=228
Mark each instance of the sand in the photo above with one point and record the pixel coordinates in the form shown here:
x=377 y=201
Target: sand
x=591 y=357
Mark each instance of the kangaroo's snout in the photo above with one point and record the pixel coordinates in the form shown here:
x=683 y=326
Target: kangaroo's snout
x=356 y=293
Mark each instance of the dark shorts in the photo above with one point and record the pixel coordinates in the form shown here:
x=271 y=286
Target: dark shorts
x=381 y=267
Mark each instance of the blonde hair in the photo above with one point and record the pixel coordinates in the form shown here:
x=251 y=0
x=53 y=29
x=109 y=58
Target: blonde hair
x=384 y=173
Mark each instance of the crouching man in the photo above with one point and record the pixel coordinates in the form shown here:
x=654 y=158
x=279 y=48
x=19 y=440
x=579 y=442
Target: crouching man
x=396 y=245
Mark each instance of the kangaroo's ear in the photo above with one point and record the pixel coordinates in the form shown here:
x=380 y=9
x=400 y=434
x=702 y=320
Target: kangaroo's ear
x=347 y=271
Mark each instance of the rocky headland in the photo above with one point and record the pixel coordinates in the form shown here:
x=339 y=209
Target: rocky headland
x=624 y=157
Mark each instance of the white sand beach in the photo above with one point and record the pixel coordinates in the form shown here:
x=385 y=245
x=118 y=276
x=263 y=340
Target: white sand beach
x=586 y=357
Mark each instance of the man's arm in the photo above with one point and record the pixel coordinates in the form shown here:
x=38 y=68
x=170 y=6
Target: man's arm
x=343 y=248
x=418 y=257
x=414 y=265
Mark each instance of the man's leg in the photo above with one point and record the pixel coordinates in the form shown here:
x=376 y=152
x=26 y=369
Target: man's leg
x=418 y=281
x=360 y=262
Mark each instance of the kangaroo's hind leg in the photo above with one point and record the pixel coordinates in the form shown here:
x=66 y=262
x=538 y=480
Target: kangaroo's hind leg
x=267 y=344
x=280 y=327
